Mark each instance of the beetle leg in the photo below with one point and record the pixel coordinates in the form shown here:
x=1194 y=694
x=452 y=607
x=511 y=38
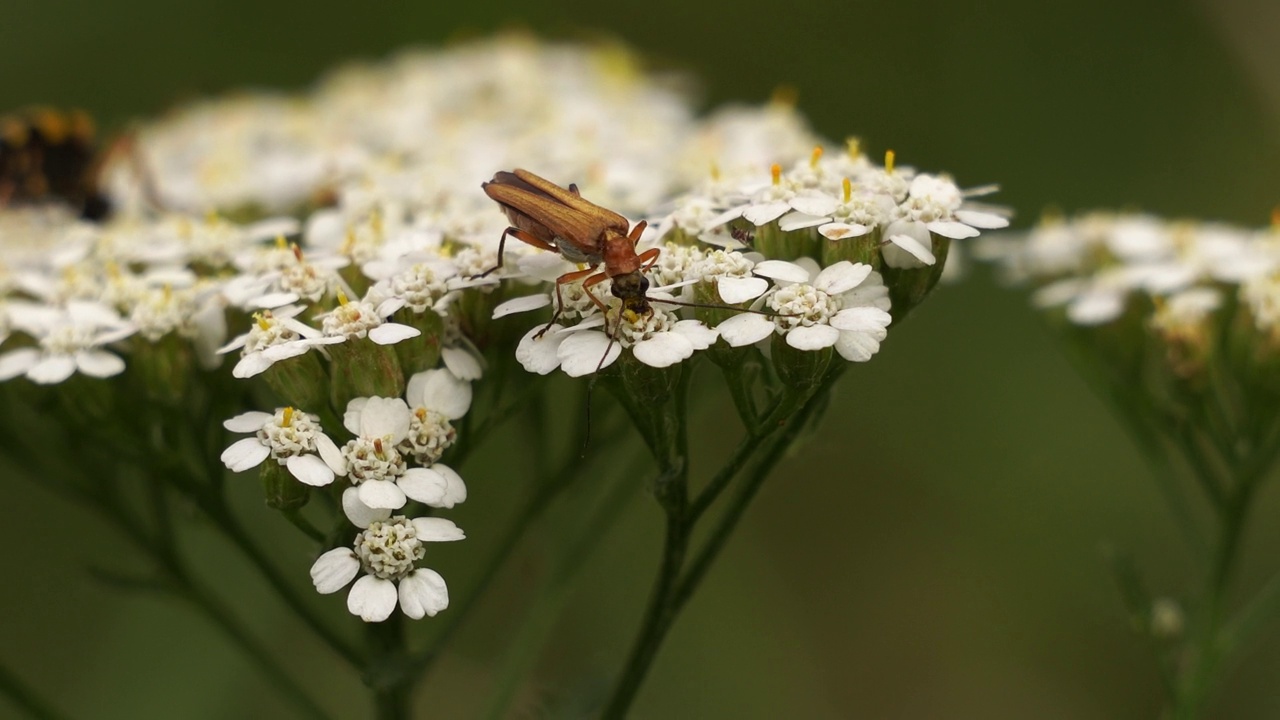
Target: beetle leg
x=520 y=235
x=563 y=279
x=648 y=258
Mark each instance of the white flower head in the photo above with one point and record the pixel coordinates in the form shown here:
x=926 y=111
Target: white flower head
x=275 y=335
x=292 y=438
x=373 y=462
x=388 y=551
x=71 y=339
x=354 y=319
x=846 y=306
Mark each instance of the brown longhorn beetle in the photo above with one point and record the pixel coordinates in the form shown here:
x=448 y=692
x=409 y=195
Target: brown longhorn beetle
x=550 y=217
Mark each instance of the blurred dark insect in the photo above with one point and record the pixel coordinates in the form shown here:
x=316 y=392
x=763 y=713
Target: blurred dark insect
x=48 y=155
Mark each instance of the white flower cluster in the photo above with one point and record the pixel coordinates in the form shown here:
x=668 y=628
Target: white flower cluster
x=390 y=459
x=1096 y=267
x=357 y=268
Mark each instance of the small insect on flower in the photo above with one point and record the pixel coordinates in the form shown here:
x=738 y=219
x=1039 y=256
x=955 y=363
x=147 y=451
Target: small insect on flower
x=49 y=155
x=550 y=217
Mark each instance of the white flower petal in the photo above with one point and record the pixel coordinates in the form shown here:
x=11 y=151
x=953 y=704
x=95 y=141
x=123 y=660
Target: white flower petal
x=373 y=599
x=583 y=353
x=538 y=355
x=244 y=454
x=765 y=213
x=271 y=301
x=386 y=418
x=437 y=529
x=351 y=418
x=17 y=362
x=840 y=231
x=334 y=569
x=99 y=363
x=392 y=333
x=52 y=369
x=423 y=484
x=245 y=422
x=781 y=270
x=440 y=391
x=381 y=494
x=915 y=248
x=699 y=335
x=423 y=592
x=250 y=365
x=310 y=470
x=857 y=347
x=798 y=221
x=983 y=220
x=813 y=337
x=861 y=319
x=841 y=277
x=455 y=489
x=521 y=304
x=461 y=363
x=358 y=513
x=734 y=290
x=952 y=229
x=662 y=350
x=745 y=329
x=330 y=454
x=819 y=204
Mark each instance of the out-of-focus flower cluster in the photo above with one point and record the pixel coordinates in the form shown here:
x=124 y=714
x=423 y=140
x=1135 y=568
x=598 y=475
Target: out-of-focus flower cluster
x=335 y=244
x=1180 y=314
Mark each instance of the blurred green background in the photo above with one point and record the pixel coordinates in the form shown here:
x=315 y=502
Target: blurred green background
x=932 y=551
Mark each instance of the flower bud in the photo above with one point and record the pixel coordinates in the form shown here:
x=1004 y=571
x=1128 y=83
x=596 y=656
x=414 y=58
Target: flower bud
x=799 y=368
x=909 y=286
x=363 y=368
x=421 y=352
x=300 y=381
x=163 y=366
x=281 y=490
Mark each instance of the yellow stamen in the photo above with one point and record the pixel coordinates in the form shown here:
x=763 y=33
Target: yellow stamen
x=349 y=242
x=211 y=216
x=784 y=96
x=281 y=243
x=630 y=316
x=888 y=161
x=113 y=270
x=815 y=156
x=776 y=172
x=421 y=413
x=168 y=292
x=715 y=171
x=342 y=297
x=853 y=146
x=847 y=185
x=375 y=221
x=377 y=445
x=263 y=324
x=288 y=417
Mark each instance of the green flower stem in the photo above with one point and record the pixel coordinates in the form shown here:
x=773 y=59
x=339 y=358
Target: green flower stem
x=220 y=514
x=776 y=450
x=675 y=584
x=388 y=673
x=106 y=501
x=179 y=582
x=569 y=556
x=25 y=698
x=1207 y=650
x=304 y=525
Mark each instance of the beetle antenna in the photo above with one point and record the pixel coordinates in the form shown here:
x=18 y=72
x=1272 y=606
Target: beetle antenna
x=714 y=306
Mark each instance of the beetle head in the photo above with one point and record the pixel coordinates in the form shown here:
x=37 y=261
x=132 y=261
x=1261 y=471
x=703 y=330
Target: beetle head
x=630 y=288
